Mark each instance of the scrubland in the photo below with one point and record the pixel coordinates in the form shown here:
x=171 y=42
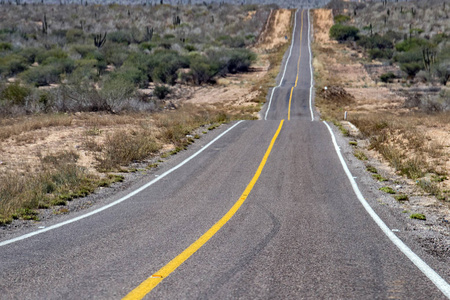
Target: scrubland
x=90 y=92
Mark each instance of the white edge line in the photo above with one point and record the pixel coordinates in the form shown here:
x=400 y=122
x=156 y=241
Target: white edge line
x=25 y=236
x=310 y=67
x=440 y=283
x=285 y=66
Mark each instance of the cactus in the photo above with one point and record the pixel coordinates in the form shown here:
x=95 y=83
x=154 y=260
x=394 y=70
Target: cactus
x=149 y=34
x=44 y=25
x=99 y=41
x=429 y=58
x=176 y=20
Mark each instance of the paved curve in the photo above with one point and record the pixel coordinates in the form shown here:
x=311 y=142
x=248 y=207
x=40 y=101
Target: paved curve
x=301 y=233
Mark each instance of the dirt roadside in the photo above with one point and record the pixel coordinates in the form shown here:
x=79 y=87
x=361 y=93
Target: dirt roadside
x=413 y=136
x=26 y=141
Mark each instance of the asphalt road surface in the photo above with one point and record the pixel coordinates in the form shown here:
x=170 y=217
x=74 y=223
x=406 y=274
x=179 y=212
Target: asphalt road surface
x=281 y=218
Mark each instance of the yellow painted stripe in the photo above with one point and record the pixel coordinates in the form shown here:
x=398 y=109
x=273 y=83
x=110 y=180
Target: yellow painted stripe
x=145 y=287
x=290 y=100
x=301 y=40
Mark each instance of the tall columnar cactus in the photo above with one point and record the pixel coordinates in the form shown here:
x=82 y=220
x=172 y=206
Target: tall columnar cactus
x=99 y=41
x=149 y=34
x=44 y=25
x=429 y=58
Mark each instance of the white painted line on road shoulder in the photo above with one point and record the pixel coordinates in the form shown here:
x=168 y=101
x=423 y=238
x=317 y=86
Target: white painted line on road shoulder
x=25 y=236
x=285 y=66
x=440 y=283
x=310 y=68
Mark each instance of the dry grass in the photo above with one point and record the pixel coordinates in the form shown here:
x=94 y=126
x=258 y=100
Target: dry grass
x=409 y=140
x=60 y=180
x=16 y=126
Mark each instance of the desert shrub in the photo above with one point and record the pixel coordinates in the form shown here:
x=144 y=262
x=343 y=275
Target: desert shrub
x=375 y=41
x=12 y=64
x=161 y=91
x=116 y=90
x=202 y=70
x=114 y=54
x=439 y=38
x=411 y=69
x=30 y=53
x=393 y=36
x=132 y=75
x=387 y=77
x=165 y=66
x=442 y=71
x=15 y=93
x=343 y=33
x=147 y=46
x=84 y=50
x=42 y=75
x=85 y=69
x=237 y=60
x=122 y=148
x=411 y=44
x=232 y=41
x=339 y=19
x=381 y=53
x=5 y=46
x=73 y=35
x=190 y=47
x=120 y=37
x=55 y=53
x=414 y=55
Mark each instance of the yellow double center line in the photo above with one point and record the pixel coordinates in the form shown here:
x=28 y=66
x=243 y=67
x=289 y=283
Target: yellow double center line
x=298 y=67
x=145 y=287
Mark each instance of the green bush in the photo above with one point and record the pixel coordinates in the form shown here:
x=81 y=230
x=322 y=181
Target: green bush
x=13 y=64
x=161 y=91
x=239 y=60
x=42 y=75
x=190 y=48
x=120 y=37
x=55 y=53
x=411 y=68
x=375 y=41
x=15 y=93
x=165 y=64
x=442 y=71
x=73 y=35
x=147 y=46
x=116 y=89
x=411 y=44
x=414 y=55
x=232 y=41
x=381 y=53
x=5 y=46
x=114 y=54
x=29 y=54
x=84 y=50
x=132 y=75
x=339 y=19
x=202 y=70
x=387 y=77
x=343 y=33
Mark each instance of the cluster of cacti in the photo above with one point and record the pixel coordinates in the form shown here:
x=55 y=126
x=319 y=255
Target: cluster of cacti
x=176 y=20
x=99 y=40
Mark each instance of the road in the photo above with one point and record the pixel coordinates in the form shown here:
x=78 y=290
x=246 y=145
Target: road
x=265 y=211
